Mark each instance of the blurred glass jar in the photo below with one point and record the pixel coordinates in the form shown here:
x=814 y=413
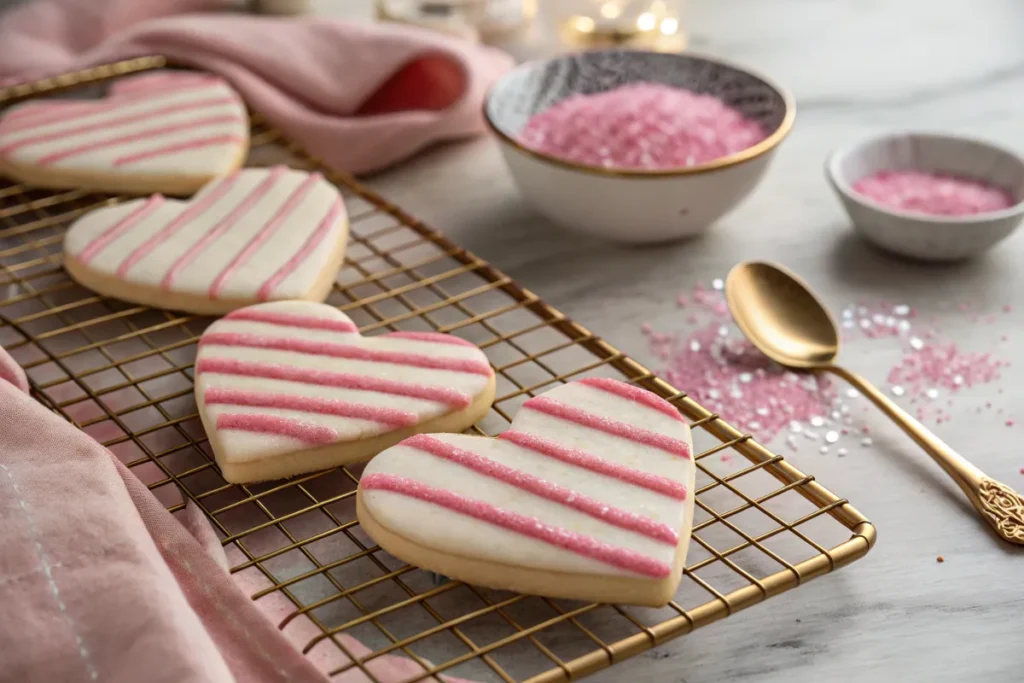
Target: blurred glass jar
x=655 y=24
x=474 y=19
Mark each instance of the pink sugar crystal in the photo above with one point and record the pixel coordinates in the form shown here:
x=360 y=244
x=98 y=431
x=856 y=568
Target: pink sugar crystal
x=933 y=193
x=641 y=126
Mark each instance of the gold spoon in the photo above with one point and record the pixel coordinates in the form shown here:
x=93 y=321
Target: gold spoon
x=781 y=317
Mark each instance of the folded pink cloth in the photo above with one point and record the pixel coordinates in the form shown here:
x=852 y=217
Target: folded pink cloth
x=359 y=96
x=100 y=583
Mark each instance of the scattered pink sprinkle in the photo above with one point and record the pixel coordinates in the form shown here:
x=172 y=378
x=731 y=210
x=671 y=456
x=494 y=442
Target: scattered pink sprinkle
x=641 y=125
x=646 y=328
x=681 y=301
x=1007 y=308
x=865 y=429
x=1022 y=470
x=1010 y=423
x=933 y=193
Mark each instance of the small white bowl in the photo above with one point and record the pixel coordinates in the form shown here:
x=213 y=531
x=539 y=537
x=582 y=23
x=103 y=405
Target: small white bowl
x=632 y=205
x=919 y=235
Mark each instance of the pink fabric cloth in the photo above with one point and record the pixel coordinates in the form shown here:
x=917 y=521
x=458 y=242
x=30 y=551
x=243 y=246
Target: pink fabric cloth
x=359 y=96
x=100 y=583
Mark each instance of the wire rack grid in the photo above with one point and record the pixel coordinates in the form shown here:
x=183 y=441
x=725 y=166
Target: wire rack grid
x=123 y=374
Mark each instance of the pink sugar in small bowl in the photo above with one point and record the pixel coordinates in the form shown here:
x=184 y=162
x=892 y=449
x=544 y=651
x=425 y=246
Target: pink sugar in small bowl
x=635 y=146
x=929 y=197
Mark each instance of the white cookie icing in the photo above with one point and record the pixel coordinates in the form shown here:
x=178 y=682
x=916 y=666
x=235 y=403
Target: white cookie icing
x=258 y=234
x=591 y=478
x=281 y=377
x=164 y=123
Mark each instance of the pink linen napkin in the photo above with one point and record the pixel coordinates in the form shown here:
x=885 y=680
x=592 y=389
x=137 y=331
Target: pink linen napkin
x=100 y=583
x=359 y=96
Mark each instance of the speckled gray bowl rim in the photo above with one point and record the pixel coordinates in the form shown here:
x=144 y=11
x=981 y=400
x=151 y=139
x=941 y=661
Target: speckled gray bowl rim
x=740 y=157
x=847 y=190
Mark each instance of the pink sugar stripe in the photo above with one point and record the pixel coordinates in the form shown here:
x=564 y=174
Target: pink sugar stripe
x=306 y=432
x=34 y=117
x=337 y=380
x=545 y=489
x=571 y=456
x=194 y=210
x=434 y=337
x=121 y=227
x=307 y=248
x=264 y=233
x=155 y=82
x=622 y=558
x=635 y=394
x=134 y=137
x=309 y=404
x=222 y=226
x=306 y=322
x=562 y=411
x=101 y=125
x=330 y=349
x=183 y=146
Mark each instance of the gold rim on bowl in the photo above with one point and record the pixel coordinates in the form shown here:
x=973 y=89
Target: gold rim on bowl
x=734 y=159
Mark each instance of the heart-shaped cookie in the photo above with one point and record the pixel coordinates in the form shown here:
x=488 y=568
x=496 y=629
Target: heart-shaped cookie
x=291 y=386
x=167 y=131
x=588 y=495
x=260 y=234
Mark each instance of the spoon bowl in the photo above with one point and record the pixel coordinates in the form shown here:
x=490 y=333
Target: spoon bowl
x=780 y=315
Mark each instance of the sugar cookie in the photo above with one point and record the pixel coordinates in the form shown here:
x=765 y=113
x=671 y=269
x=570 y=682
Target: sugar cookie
x=588 y=495
x=257 y=235
x=290 y=387
x=167 y=131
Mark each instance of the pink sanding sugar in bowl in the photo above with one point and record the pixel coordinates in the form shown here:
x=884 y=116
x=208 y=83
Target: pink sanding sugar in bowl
x=933 y=193
x=641 y=126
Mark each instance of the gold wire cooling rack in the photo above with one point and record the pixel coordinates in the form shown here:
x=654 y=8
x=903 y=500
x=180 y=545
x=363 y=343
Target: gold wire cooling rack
x=123 y=373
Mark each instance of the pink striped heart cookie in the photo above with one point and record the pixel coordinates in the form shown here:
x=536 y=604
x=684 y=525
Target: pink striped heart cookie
x=290 y=386
x=588 y=495
x=259 y=234
x=168 y=131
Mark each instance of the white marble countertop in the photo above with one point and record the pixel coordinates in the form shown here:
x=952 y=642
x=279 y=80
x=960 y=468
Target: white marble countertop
x=855 y=67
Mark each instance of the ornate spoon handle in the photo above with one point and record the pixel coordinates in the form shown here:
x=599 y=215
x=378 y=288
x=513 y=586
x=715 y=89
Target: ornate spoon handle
x=997 y=503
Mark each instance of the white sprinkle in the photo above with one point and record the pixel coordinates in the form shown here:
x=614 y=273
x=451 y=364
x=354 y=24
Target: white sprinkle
x=916 y=343
x=932 y=393
x=695 y=346
x=713 y=393
x=810 y=436
x=736 y=393
x=897 y=390
x=817 y=421
x=795 y=427
x=754 y=424
x=841 y=452
x=866 y=441
x=878 y=319
x=723 y=331
x=848 y=420
x=865 y=323
x=852 y=393
x=847 y=313
x=904 y=326
x=835 y=415
x=824 y=450
x=745 y=377
x=791 y=440
x=958 y=379
x=890 y=322
x=832 y=436
x=844 y=409
x=717 y=283
x=901 y=310
x=763 y=412
x=848 y=324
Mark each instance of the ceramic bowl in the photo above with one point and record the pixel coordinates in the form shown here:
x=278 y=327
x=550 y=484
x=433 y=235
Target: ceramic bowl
x=917 y=235
x=629 y=205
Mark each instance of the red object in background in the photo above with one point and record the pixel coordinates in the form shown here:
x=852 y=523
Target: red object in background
x=428 y=83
